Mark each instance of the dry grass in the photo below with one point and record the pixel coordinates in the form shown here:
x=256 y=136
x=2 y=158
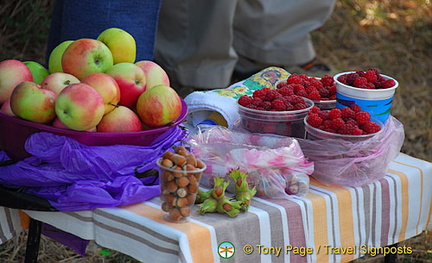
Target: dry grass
x=394 y=36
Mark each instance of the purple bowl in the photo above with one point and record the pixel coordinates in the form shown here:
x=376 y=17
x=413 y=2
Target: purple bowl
x=15 y=131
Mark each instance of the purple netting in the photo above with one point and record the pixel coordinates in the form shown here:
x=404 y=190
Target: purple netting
x=73 y=176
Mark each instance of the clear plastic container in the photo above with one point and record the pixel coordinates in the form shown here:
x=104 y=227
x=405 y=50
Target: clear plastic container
x=179 y=188
x=313 y=133
x=287 y=123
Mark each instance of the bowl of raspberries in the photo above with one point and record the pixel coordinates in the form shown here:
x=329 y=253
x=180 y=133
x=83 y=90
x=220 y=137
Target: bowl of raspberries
x=275 y=111
x=349 y=123
x=322 y=91
x=369 y=89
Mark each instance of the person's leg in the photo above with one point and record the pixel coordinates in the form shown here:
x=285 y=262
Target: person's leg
x=194 y=42
x=277 y=32
x=74 y=19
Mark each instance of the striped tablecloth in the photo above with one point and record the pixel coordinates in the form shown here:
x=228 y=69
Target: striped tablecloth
x=12 y=223
x=330 y=224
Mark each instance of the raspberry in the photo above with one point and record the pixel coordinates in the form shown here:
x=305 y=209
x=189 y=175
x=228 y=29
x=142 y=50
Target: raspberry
x=285 y=91
x=257 y=102
x=347 y=113
x=350 y=77
x=281 y=85
x=314 y=109
x=267 y=105
x=335 y=113
x=343 y=79
x=327 y=80
x=352 y=121
x=294 y=79
x=271 y=95
x=314 y=120
x=289 y=106
x=324 y=114
x=278 y=105
x=369 y=85
x=324 y=93
x=314 y=95
x=302 y=93
x=360 y=82
x=371 y=127
x=269 y=128
x=356 y=108
x=326 y=124
x=371 y=76
x=300 y=106
x=336 y=124
x=386 y=84
x=316 y=83
x=332 y=90
x=297 y=87
x=259 y=93
x=245 y=100
x=349 y=129
x=362 y=117
x=377 y=73
x=310 y=89
x=360 y=73
x=294 y=99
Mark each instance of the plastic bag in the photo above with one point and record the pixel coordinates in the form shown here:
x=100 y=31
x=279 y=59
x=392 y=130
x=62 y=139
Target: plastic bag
x=276 y=165
x=355 y=163
x=73 y=176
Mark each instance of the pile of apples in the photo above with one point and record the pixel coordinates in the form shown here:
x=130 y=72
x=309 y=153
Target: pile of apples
x=90 y=85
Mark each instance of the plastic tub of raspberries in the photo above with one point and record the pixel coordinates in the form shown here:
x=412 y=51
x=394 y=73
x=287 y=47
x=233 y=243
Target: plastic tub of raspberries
x=348 y=147
x=274 y=111
x=348 y=123
x=322 y=91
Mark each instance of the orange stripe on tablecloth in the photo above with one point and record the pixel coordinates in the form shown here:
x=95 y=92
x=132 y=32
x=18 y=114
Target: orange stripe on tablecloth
x=25 y=220
x=421 y=191
x=404 y=191
x=320 y=225
x=199 y=236
x=346 y=221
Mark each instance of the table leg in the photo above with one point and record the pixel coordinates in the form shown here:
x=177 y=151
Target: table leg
x=391 y=257
x=33 y=240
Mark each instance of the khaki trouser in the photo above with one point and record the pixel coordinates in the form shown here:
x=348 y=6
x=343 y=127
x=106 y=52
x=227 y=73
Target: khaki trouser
x=201 y=42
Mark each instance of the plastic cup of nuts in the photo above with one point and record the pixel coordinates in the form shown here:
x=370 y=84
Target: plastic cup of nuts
x=179 y=177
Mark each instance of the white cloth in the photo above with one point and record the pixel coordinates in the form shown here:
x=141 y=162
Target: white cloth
x=224 y=101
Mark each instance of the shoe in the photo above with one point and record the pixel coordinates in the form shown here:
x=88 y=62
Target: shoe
x=311 y=69
x=246 y=68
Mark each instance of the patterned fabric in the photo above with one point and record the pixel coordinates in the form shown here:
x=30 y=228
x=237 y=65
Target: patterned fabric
x=12 y=222
x=336 y=224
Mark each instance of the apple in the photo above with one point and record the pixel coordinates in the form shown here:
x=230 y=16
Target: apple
x=55 y=57
x=12 y=73
x=121 y=43
x=6 y=109
x=159 y=105
x=120 y=119
x=155 y=74
x=58 y=124
x=131 y=81
x=31 y=102
x=85 y=56
x=106 y=86
x=38 y=71
x=58 y=81
x=79 y=106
